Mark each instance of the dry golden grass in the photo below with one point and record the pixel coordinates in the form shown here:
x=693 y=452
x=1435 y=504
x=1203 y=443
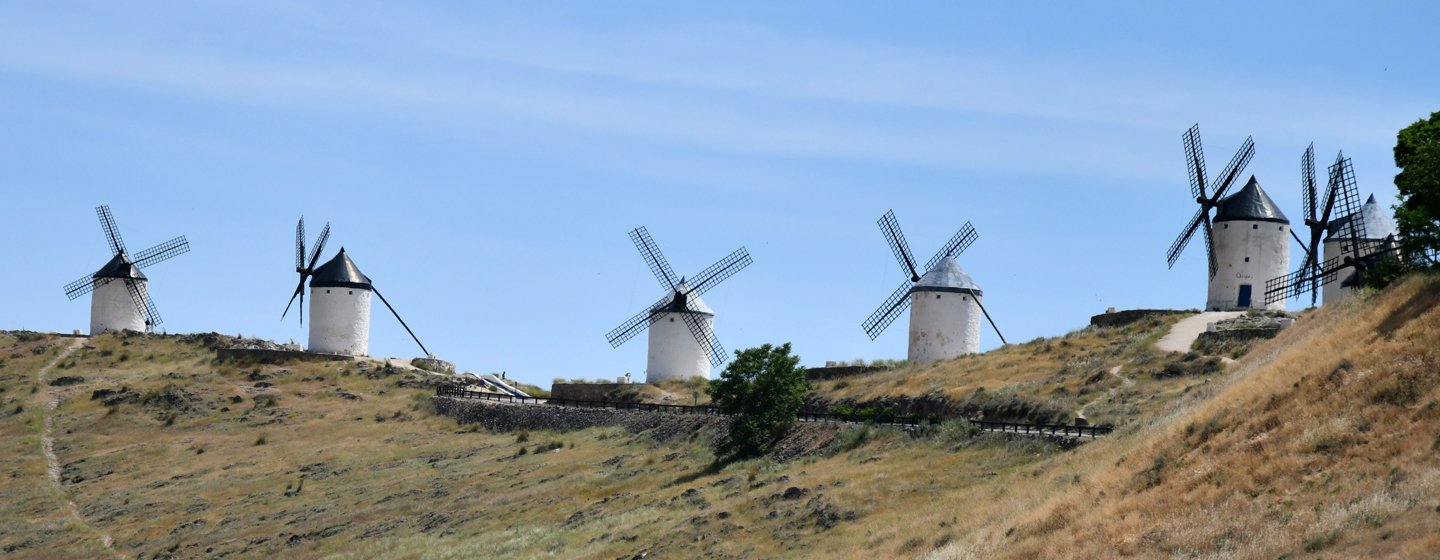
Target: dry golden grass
x=34 y=518
x=384 y=478
x=1321 y=442
x=188 y=479
x=1105 y=371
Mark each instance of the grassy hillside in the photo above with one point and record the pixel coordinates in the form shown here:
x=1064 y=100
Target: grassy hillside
x=1110 y=376
x=1320 y=442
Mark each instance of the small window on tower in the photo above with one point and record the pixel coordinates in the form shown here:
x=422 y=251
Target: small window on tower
x=1282 y=228
x=1247 y=259
x=937 y=296
x=350 y=292
x=672 y=319
x=1254 y=226
x=1227 y=226
x=327 y=291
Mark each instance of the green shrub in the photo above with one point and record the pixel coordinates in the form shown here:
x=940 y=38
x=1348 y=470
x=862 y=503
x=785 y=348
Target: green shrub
x=851 y=438
x=763 y=389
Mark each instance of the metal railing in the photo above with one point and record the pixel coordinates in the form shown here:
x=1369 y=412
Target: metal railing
x=904 y=422
x=1043 y=429
x=460 y=392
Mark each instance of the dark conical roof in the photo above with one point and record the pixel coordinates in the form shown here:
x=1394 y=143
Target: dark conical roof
x=947 y=276
x=120 y=267
x=1252 y=204
x=691 y=304
x=339 y=272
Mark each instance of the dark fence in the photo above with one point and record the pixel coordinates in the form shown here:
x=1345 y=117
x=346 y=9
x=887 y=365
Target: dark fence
x=458 y=391
x=1044 y=429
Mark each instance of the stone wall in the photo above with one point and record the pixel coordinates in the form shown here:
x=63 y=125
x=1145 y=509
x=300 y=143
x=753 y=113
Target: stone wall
x=1127 y=316
x=822 y=373
x=262 y=356
x=800 y=440
x=1238 y=334
x=584 y=391
x=506 y=417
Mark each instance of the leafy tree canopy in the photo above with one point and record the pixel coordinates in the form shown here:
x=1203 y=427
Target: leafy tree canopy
x=1417 y=154
x=764 y=389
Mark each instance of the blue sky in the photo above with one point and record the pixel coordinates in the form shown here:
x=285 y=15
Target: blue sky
x=483 y=163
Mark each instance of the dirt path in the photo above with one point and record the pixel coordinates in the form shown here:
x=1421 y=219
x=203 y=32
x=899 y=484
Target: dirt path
x=47 y=443
x=1188 y=329
x=1124 y=382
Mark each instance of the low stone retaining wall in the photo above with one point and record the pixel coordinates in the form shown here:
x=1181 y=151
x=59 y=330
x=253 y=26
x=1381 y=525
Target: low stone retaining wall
x=802 y=439
x=1128 y=316
x=823 y=373
x=584 y=391
x=1238 y=334
x=275 y=356
x=506 y=417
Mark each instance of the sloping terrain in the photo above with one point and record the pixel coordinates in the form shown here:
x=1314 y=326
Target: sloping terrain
x=1109 y=376
x=1319 y=442
x=177 y=456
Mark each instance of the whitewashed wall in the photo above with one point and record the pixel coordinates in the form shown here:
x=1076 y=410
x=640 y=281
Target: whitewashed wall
x=674 y=352
x=112 y=308
x=943 y=325
x=1266 y=245
x=340 y=321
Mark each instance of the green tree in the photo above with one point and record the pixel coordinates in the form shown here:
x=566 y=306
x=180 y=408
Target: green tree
x=763 y=389
x=1417 y=217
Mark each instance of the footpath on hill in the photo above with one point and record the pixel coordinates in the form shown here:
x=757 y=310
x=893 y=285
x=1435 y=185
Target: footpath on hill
x=1184 y=333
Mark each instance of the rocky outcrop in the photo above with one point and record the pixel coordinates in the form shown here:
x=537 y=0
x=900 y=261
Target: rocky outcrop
x=434 y=364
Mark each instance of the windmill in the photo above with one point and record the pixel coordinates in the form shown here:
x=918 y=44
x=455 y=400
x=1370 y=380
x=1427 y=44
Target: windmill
x=339 y=299
x=687 y=347
x=941 y=327
x=1350 y=245
x=300 y=263
x=121 y=300
x=1248 y=237
x=1195 y=162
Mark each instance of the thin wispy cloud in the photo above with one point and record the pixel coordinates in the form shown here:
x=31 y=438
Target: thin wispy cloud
x=726 y=87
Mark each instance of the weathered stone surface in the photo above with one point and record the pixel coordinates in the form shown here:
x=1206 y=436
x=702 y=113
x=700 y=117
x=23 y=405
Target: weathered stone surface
x=433 y=364
x=269 y=356
x=799 y=440
x=1239 y=334
x=508 y=417
x=1128 y=316
x=583 y=391
x=836 y=372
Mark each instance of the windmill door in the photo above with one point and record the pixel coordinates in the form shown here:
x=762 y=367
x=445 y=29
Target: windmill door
x=1244 y=300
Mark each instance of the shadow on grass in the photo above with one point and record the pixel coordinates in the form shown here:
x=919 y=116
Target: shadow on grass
x=714 y=467
x=1416 y=306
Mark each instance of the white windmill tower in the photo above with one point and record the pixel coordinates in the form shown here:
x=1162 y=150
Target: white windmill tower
x=945 y=303
x=339 y=300
x=1375 y=229
x=1359 y=238
x=682 y=327
x=1249 y=240
x=121 y=299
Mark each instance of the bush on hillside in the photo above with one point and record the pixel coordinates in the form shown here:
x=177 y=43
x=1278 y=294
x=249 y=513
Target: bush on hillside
x=763 y=388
